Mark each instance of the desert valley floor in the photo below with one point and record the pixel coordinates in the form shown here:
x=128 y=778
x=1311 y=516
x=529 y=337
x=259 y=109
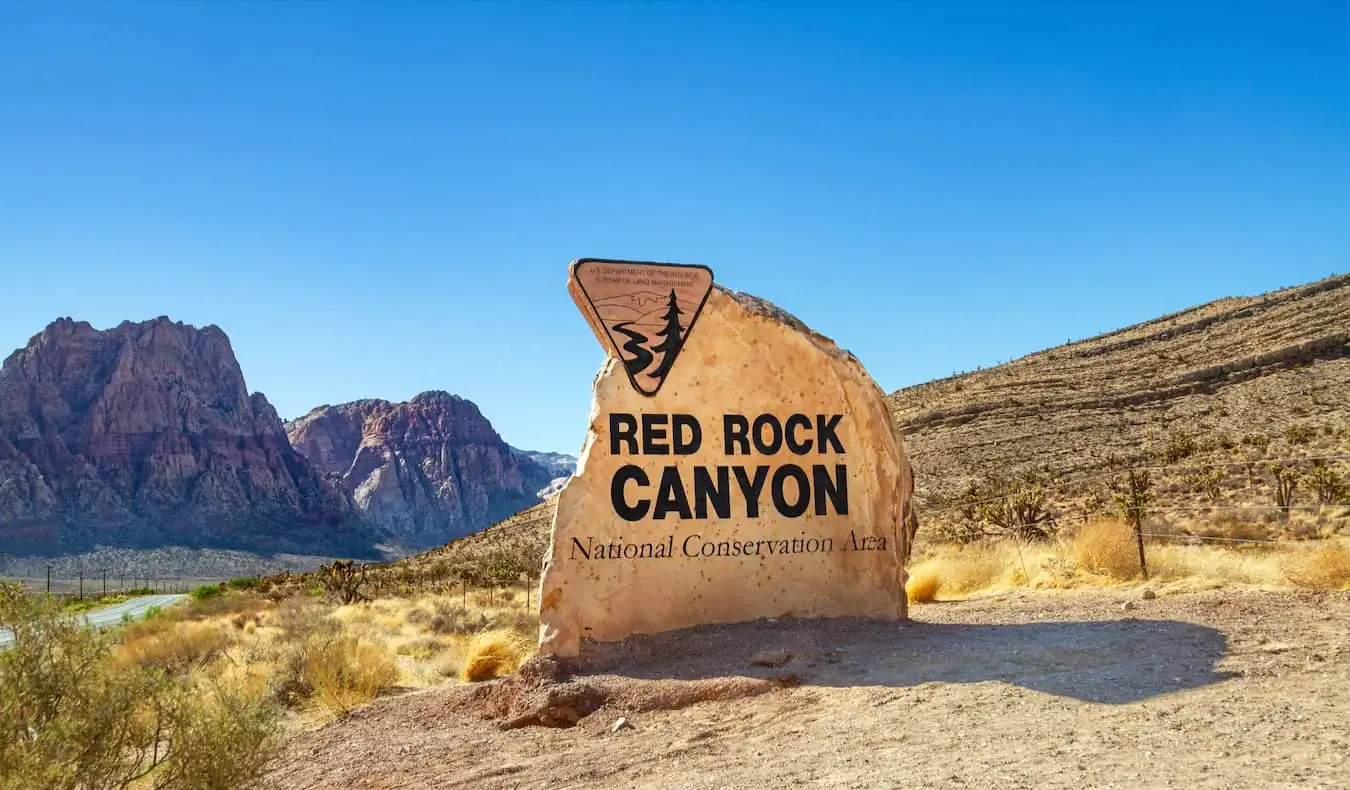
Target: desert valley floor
x=1089 y=689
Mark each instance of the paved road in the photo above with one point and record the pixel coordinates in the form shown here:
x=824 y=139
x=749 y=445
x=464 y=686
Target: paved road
x=112 y=615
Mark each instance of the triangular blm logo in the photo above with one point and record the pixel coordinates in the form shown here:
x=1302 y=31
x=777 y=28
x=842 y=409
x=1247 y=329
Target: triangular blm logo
x=642 y=312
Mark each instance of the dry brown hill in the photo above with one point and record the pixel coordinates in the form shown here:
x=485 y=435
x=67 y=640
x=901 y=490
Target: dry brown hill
x=1236 y=384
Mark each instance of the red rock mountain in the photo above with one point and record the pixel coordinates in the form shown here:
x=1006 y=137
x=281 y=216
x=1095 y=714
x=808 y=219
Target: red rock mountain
x=426 y=471
x=146 y=435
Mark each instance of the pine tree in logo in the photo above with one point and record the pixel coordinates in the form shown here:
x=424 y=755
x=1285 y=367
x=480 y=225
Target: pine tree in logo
x=671 y=339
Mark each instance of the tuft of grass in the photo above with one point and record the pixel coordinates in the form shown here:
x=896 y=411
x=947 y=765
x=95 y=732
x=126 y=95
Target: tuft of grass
x=923 y=586
x=176 y=647
x=1326 y=567
x=1106 y=547
x=345 y=672
x=493 y=654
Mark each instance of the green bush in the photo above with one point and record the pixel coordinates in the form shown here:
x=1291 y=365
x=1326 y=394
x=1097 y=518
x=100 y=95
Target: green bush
x=243 y=583
x=72 y=718
x=140 y=591
x=1299 y=434
x=206 y=591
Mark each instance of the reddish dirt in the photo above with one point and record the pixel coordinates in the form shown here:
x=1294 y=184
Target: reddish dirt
x=1034 y=690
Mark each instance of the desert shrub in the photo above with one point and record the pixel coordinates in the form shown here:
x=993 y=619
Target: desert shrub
x=493 y=654
x=1209 y=479
x=923 y=586
x=205 y=592
x=1326 y=567
x=243 y=583
x=1106 y=547
x=1326 y=485
x=71 y=718
x=1299 y=434
x=345 y=672
x=174 y=646
x=421 y=647
x=140 y=591
x=1180 y=445
x=1258 y=440
x=221 y=740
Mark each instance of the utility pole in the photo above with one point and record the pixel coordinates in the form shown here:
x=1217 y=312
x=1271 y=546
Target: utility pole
x=81 y=584
x=49 y=578
x=105 y=582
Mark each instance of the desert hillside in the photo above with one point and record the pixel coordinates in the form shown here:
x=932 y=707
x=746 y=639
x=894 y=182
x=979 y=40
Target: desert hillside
x=1246 y=381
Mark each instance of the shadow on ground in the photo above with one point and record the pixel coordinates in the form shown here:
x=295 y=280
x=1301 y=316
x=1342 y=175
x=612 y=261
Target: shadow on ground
x=1112 y=662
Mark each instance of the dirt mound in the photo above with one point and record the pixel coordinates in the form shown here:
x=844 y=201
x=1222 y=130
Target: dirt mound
x=544 y=693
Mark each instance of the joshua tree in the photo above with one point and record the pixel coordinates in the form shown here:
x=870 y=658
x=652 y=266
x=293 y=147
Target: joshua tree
x=1326 y=484
x=343 y=580
x=1286 y=481
x=1132 y=497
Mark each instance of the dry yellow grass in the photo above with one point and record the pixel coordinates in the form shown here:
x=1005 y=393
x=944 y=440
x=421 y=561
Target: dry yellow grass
x=492 y=654
x=1325 y=567
x=1106 y=547
x=346 y=672
x=923 y=586
x=1104 y=553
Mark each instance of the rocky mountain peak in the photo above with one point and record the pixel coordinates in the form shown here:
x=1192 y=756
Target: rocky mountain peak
x=426 y=470
x=146 y=433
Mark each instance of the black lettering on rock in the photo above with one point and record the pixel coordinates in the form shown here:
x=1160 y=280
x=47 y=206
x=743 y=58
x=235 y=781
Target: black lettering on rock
x=833 y=489
x=622 y=428
x=654 y=434
x=825 y=433
x=797 y=446
x=718 y=493
x=585 y=550
x=736 y=431
x=628 y=512
x=780 y=502
x=670 y=496
x=679 y=423
x=775 y=432
x=750 y=488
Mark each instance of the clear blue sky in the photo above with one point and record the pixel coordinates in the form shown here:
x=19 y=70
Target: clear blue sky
x=379 y=199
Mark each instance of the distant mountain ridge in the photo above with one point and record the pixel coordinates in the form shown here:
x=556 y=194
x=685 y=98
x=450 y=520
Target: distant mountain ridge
x=560 y=467
x=425 y=471
x=146 y=435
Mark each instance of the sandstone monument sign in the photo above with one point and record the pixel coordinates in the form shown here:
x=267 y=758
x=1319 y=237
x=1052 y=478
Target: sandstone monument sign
x=738 y=466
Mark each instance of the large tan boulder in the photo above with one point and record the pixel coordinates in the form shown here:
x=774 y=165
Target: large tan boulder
x=761 y=476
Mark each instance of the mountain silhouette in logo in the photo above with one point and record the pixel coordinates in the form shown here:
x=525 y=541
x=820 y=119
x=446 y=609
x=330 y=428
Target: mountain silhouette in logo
x=646 y=312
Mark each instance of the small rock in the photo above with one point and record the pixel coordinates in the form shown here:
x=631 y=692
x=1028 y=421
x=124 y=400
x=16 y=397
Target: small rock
x=621 y=723
x=1148 y=594
x=770 y=658
x=1127 y=606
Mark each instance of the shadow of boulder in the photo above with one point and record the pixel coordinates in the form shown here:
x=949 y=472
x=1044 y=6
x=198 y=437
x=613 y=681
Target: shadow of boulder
x=1111 y=662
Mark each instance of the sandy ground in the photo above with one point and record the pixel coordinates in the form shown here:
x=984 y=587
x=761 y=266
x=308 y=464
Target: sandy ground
x=1027 y=690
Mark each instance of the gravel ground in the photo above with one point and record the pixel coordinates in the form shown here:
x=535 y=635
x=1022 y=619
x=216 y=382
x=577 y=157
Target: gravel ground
x=1029 y=690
